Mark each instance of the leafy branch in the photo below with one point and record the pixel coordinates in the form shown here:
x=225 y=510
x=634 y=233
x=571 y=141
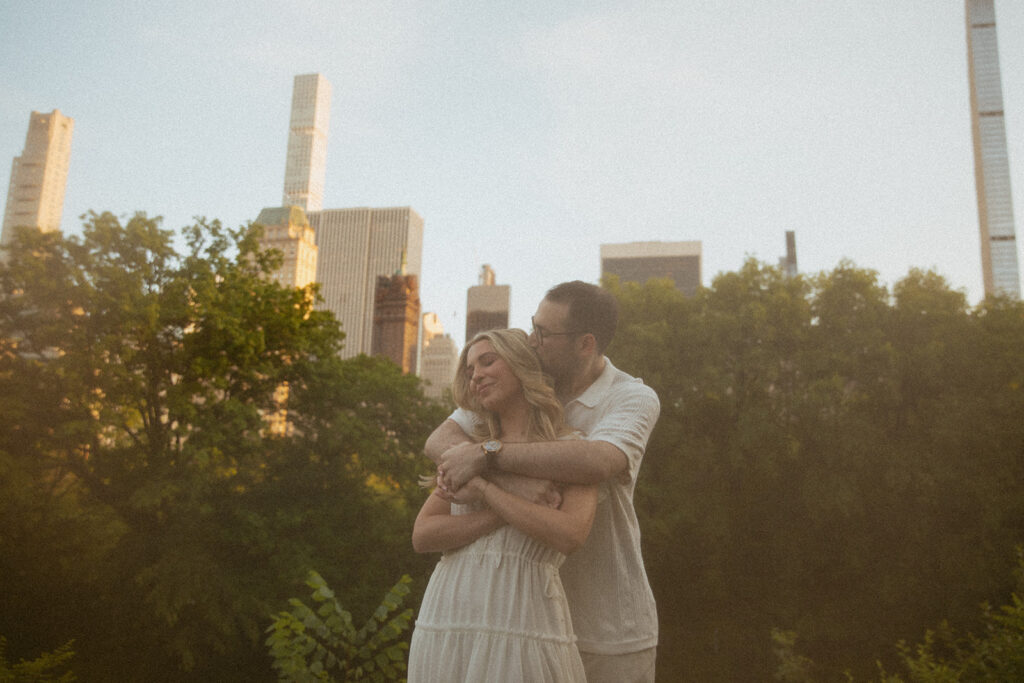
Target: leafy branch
x=323 y=644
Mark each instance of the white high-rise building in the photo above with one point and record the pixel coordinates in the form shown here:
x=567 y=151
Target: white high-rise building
x=356 y=246
x=39 y=176
x=439 y=358
x=999 y=264
x=306 y=165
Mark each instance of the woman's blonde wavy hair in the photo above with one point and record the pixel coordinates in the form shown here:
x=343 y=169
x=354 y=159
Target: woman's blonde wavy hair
x=547 y=419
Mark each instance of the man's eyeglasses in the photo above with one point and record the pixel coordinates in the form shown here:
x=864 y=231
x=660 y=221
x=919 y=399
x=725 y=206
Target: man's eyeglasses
x=543 y=334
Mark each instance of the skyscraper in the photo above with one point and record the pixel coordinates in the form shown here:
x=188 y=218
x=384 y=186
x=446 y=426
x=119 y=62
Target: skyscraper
x=439 y=357
x=432 y=326
x=991 y=160
x=788 y=262
x=487 y=304
x=396 y=319
x=641 y=261
x=288 y=231
x=39 y=176
x=355 y=247
x=306 y=164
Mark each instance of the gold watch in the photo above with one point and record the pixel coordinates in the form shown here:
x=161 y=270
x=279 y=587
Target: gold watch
x=491 y=450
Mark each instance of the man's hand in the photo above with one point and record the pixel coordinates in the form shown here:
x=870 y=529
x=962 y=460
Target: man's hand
x=459 y=464
x=541 y=491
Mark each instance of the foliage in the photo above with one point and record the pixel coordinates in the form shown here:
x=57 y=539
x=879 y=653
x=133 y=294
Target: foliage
x=792 y=667
x=313 y=645
x=942 y=656
x=44 y=668
x=996 y=655
x=142 y=484
x=831 y=459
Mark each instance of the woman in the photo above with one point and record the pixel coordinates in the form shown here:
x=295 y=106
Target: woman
x=494 y=609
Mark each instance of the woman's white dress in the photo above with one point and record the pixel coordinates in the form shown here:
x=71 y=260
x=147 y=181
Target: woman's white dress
x=495 y=610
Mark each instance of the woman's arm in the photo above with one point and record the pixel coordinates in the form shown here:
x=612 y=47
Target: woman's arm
x=564 y=529
x=436 y=529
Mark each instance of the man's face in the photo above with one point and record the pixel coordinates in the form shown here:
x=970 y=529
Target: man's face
x=556 y=348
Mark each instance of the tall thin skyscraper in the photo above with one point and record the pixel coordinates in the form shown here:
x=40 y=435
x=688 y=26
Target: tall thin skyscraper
x=640 y=261
x=788 y=262
x=39 y=176
x=991 y=160
x=306 y=165
x=355 y=247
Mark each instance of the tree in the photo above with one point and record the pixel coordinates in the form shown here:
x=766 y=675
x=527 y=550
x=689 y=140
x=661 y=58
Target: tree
x=831 y=460
x=140 y=380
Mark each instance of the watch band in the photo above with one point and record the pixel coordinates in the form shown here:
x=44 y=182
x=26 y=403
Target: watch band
x=491 y=449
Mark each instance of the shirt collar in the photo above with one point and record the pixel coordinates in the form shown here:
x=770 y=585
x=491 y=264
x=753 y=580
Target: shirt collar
x=600 y=387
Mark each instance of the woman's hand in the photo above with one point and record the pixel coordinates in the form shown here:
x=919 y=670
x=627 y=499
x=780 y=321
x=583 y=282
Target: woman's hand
x=471 y=492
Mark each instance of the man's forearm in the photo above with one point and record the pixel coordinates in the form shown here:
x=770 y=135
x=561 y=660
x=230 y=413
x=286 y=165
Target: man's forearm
x=572 y=461
x=447 y=434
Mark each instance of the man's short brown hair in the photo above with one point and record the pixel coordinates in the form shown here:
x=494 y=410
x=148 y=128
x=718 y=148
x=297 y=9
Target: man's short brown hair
x=592 y=310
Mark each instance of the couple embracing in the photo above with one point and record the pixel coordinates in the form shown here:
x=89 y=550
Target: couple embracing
x=541 y=577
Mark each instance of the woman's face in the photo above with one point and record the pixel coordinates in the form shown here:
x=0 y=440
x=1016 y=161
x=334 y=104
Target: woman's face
x=490 y=378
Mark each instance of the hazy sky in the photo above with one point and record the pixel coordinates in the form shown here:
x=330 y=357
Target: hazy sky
x=527 y=134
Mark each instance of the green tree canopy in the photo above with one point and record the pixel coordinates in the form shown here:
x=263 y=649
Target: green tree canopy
x=831 y=459
x=138 y=384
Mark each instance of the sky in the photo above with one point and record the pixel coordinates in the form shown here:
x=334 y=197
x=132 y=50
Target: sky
x=527 y=134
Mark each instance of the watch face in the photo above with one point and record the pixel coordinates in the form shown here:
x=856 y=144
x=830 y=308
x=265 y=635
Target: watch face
x=492 y=446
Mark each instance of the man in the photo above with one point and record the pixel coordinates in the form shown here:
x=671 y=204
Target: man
x=612 y=606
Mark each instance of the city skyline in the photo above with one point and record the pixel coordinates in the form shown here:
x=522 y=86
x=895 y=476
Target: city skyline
x=355 y=246
x=563 y=127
